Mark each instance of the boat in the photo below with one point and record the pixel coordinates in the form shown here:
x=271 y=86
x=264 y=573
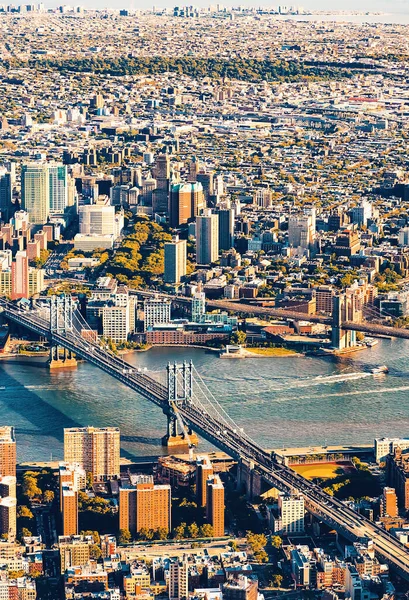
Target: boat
x=2 y=387
x=370 y=342
x=383 y=369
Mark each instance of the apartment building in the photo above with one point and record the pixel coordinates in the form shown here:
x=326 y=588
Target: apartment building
x=144 y=505
x=95 y=449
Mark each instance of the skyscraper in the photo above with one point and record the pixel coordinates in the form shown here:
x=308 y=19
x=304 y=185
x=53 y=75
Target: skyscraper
x=215 y=504
x=6 y=194
x=144 y=505
x=207 y=238
x=161 y=173
x=226 y=229
x=95 y=449
x=58 y=188
x=175 y=260
x=186 y=202
x=19 y=276
x=69 y=510
x=35 y=192
x=7 y=451
x=204 y=469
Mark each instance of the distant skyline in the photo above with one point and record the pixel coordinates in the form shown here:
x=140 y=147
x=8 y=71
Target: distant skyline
x=387 y=6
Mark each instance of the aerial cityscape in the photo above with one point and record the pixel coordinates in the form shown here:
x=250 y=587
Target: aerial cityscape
x=204 y=301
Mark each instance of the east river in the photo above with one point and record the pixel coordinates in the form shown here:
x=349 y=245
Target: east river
x=281 y=402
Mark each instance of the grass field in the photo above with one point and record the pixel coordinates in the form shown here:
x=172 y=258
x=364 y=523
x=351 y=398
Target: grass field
x=324 y=471
x=271 y=351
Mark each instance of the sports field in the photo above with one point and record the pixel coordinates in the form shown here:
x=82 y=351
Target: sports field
x=321 y=470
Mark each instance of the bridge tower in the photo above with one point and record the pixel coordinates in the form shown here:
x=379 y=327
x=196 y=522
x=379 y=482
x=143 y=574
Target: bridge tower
x=61 y=310
x=180 y=392
x=343 y=309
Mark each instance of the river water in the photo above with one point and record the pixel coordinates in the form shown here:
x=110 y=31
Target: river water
x=281 y=402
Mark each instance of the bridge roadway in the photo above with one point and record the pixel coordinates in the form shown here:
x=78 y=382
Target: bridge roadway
x=224 y=436
x=266 y=311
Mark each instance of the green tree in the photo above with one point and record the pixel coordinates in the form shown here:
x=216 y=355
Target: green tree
x=192 y=530
x=233 y=545
x=161 y=533
x=95 y=552
x=238 y=337
x=206 y=530
x=24 y=512
x=48 y=496
x=261 y=556
x=276 y=541
x=179 y=531
x=124 y=536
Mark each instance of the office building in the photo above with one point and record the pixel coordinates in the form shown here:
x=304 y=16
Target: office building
x=226 y=229
x=389 y=503
x=204 y=469
x=206 y=179
x=7 y=451
x=186 y=202
x=263 y=197
x=215 y=504
x=178 y=580
x=385 y=446
x=301 y=231
x=207 y=238
x=35 y=192
x=156 y=312
x=95 y=449
x=198 y=307
x=97 y=219
x=69 y=510
x=175 y=260
x=362 y=213
x=161 y=174
x=19 y=276
x=144 y=505
x=115 y=323
x=291 y=512
x=6 y=195
x=58 y=188
x=240 y=588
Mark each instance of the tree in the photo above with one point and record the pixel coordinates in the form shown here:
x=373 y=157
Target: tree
x=25 y=532
x=95 y=552
x=124 y=536
x=256 y=541
x=276 y=541
x=206 y=530
x=48 y=496
x=161 y=533
x=179 y=531
x=143 y=534
x=233 y=545
x=95 y=535
x=193 y=530
x=261 y=556
x=24 y=512
x=238 y=337
x=276 y=580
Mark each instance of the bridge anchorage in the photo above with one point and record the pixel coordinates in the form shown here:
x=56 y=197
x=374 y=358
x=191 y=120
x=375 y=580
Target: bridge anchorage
x=61 y=312
x=180 y=394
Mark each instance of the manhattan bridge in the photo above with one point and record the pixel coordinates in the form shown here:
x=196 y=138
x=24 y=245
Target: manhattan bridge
x=189 y=405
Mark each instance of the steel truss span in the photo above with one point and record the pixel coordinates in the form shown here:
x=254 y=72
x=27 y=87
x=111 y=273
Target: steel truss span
x=209 y=420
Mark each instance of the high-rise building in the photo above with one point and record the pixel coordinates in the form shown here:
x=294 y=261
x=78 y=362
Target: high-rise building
x=35 y=192
x=301 y=231
x=178 y=580
x=206 y=179
x=8 y=517
x=215 y=504
x=69 y=510
x=204 y=469
x=74 y=550
x=226 y=229
x=207 y=238
x=389 y=502
x=144 y=505
x=291 y=513
x=71 y=475
x=97 y=219
x=7 y=451
x=8 y=485
x=175 y=260
x=115 y=323
x=198 y=307
x=95 y=449
x=6 y=195
x=186 y=202
x=161 y=173
x=385 y=446
x=156 y=312
x=58 y=188
x=263 y=197
x=240 y=588
x=20 y=276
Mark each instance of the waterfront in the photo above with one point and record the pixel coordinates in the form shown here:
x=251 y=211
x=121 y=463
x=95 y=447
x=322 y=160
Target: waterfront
x=280 y=401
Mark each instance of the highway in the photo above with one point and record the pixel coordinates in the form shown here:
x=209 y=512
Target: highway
x=223 y=435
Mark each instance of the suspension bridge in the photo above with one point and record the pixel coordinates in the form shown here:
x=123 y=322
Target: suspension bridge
x=186 y=399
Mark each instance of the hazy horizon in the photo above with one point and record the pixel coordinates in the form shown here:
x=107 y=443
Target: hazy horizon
x=387 y=6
